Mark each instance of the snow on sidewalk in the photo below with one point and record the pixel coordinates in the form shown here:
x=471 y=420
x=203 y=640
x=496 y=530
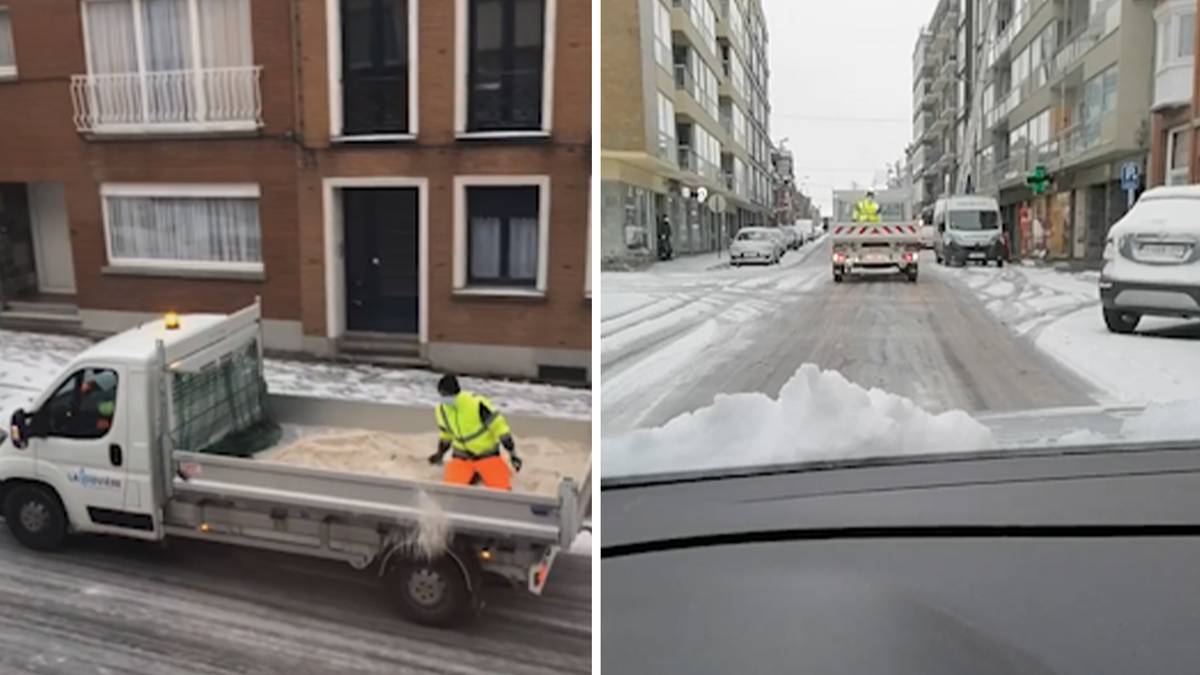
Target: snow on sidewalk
x=29 y=361
x=1060 y=311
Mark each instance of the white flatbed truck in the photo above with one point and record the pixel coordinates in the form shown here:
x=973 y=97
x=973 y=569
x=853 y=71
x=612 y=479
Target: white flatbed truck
x=889 y=247
x=65 y=469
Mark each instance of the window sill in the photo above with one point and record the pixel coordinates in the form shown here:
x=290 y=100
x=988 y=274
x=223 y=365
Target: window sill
x=177 y=273
x=8 y=74
x=500 y=292
x=374 y=138
x=147 y=132
x=502 y=135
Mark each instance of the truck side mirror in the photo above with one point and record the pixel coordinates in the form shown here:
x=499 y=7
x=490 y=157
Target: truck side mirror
x=18 y=429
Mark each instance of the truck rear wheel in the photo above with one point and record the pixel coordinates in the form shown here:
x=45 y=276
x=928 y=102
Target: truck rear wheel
x=432 y=592
x=36 y=517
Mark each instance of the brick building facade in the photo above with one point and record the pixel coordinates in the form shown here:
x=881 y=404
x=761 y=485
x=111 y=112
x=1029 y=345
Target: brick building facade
x=399 y=180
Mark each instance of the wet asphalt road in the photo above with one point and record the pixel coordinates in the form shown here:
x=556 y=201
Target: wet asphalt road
x=111 y=606
x=930 y=341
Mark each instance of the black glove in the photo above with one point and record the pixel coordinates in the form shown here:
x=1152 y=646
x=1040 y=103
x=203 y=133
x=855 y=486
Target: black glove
x=436 y=458
x=516 y=462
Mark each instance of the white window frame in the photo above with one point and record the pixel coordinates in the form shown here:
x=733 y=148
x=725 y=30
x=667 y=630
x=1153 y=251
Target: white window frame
x=194 y=36
x=179 y=191
x=9 y=72
x=461 y=183
x=333 y=42
x=1185 y=170
x=335 y=233
x=462 y=59
x=1168 y=18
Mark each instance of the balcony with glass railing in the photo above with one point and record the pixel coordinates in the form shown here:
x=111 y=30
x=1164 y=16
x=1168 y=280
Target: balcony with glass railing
x=1086 y=136
x=667 y=150
x=192 y=100
x=1099 y=26
x=685 y=80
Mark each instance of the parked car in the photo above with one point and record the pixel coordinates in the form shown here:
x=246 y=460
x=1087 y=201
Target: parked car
x=791 y=239
x=1152 y=260
x=756 y=245
x=781 y=238
x=928 y=235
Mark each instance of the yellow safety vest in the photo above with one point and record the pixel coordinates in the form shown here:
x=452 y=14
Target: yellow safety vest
x=467 y=430
x=866 y=211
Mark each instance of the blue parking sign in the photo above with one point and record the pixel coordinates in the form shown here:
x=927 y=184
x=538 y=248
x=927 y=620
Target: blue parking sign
x=1130 y=176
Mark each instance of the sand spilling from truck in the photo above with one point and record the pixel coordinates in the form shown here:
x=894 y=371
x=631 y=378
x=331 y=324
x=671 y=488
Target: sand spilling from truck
x=546 y=461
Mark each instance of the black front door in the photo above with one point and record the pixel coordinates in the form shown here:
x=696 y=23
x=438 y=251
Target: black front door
x=382 y=277
x=375 y=66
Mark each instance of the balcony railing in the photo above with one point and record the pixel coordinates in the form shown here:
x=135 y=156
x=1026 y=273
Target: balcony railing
x=1086 y=135
x=685 y=80
x=666 y=147
x=212 y=99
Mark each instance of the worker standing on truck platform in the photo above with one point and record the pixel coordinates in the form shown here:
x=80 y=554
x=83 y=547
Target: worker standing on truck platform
x=867 y=209
x=471 y=427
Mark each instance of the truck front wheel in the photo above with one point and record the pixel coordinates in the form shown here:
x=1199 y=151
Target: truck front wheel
x=432 y=592
x=36 y=517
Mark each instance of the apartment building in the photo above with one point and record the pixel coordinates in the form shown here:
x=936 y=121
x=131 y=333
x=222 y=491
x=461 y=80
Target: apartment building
x=399 y=180
x=938 y=105
x=685 y=90
x=1174 y=137
x=1062 y=84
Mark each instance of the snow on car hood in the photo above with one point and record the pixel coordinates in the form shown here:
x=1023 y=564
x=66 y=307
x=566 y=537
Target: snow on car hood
x=819 y=415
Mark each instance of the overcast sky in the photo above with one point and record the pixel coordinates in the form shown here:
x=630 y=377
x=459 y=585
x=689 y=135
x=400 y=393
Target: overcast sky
x=834 y=64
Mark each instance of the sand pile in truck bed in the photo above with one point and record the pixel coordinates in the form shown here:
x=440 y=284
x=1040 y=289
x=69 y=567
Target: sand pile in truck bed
x=546 y=461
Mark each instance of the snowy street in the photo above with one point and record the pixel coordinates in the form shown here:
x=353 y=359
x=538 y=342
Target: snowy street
x=673 y=340
x=117 y=606
x=996 y=343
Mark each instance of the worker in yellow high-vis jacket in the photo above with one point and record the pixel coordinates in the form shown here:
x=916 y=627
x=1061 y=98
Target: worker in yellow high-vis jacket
x=867 y=209
x=473 y=430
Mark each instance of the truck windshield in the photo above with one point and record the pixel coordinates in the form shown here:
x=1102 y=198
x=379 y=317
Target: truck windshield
x=974 y=220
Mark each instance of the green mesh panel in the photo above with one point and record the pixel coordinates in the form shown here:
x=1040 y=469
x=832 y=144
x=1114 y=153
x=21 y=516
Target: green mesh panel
x=223 y=408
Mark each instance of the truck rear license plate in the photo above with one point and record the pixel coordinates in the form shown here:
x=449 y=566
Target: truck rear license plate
x=876 y=258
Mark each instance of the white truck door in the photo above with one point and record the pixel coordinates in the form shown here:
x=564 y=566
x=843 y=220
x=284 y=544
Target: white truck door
x=83 y=451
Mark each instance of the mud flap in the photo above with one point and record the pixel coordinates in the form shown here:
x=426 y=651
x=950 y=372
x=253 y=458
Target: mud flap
x=540 y=572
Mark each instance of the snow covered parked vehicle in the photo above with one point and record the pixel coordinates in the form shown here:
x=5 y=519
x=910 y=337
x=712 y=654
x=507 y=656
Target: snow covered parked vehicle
x=1152 y=260
x=756 y=244
x=163 y=431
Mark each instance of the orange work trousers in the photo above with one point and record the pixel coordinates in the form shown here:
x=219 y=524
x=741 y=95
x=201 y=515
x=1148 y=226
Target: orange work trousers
x=493 y=470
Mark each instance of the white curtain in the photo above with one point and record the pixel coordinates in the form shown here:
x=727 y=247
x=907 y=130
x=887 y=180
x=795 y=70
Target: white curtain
x=225 y=40
x=522 y=248
x=7 y=57
x=225 y=43
x=485 y=247
x=185 y=229
x=112 y=45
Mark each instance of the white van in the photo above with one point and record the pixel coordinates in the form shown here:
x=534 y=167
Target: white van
x=968 y=229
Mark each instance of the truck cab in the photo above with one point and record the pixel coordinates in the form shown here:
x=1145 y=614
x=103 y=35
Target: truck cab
x=83 y=448
x=968 y=229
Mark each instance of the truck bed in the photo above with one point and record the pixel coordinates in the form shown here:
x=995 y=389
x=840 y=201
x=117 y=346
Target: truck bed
x=288 y=506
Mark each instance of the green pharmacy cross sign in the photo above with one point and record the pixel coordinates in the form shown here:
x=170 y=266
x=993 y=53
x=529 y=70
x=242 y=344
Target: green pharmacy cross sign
x=1038 y=180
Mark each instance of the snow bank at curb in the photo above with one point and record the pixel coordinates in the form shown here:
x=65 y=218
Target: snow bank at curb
x=819 y=415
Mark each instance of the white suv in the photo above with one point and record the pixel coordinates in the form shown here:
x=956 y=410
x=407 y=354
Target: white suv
x=1152 y=260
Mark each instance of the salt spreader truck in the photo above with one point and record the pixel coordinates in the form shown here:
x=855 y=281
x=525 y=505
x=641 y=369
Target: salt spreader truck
x=151 y=434
x=889 y=247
